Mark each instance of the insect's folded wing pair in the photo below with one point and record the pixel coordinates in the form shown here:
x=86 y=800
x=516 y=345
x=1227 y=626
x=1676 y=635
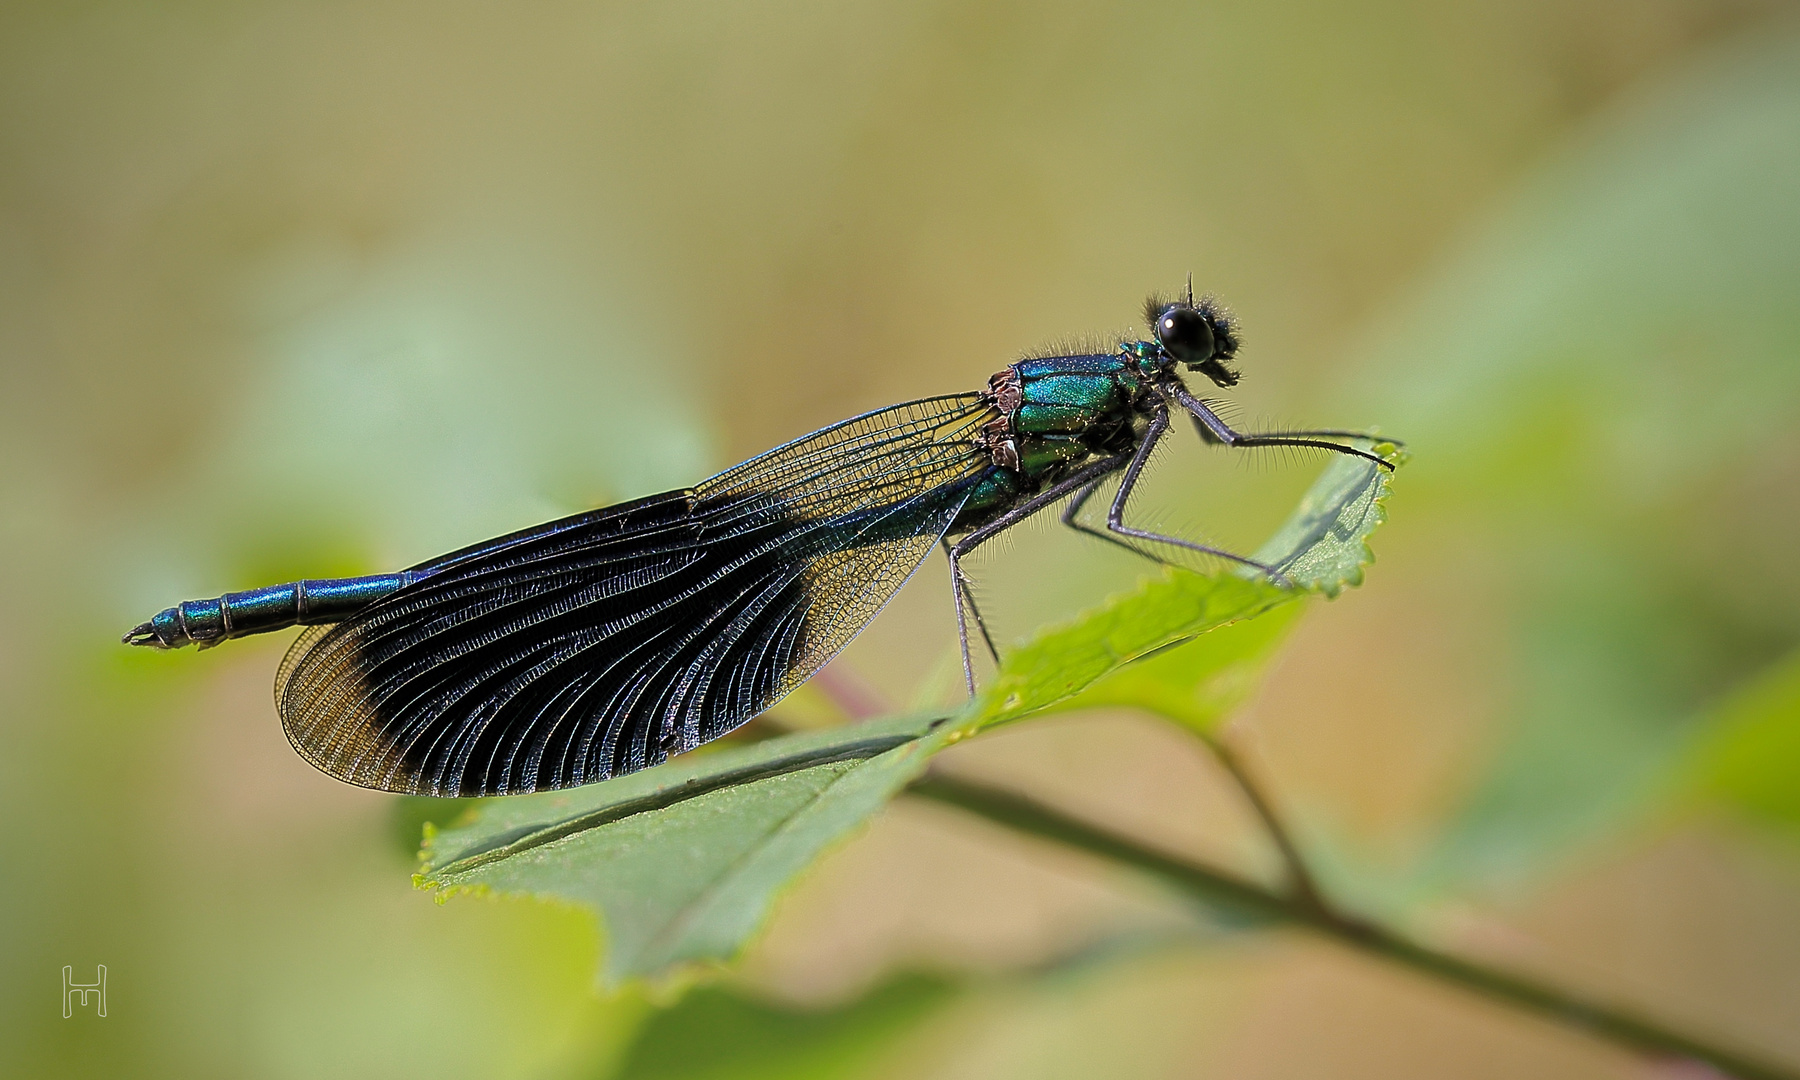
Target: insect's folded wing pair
x=600 y=644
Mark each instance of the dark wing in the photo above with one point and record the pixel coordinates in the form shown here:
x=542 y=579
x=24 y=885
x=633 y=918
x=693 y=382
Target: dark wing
x=600 y=644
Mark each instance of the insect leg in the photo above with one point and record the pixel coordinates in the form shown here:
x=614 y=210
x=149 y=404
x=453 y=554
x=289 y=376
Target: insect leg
x=976 y=537
x=959 y=583
x=1215 y=430
x=1115 y=517
x=1071 y=517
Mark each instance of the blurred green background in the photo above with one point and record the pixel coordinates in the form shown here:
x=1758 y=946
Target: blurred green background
x=303 y=289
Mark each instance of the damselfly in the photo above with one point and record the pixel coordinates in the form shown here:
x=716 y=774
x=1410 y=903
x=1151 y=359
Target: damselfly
x=602 y=643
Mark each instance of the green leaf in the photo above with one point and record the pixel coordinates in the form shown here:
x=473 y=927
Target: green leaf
x=1162 y=613
x=1322 y=548
x=410 y=814
x=1201 y=683
x=717 y=1033
x=1325 y=543
x=684 y=862
x=1750 y=756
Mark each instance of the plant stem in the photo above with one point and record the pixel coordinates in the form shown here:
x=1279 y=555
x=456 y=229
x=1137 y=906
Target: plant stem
x=1028 y=816
x=1301 y=886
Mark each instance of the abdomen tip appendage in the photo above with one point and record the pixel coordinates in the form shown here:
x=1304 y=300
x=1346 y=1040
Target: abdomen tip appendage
x=144 y=633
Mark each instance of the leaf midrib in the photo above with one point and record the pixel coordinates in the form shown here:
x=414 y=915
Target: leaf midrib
x=528 y=837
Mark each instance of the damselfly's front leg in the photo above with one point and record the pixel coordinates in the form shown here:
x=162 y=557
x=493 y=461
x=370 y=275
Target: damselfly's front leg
x=1215 y=430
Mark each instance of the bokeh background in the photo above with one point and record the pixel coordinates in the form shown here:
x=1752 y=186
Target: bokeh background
x=305 y=289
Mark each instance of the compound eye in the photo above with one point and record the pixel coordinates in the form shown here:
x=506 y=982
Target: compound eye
x=1185 y=333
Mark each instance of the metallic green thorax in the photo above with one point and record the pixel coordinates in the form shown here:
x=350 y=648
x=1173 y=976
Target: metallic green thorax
x=1051 y=414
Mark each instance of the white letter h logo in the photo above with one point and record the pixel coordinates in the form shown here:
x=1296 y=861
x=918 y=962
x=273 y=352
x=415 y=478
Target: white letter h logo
x=70 y=989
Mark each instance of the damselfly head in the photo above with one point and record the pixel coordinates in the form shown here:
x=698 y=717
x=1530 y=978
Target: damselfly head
x=1185 y=334
x=1197 y=333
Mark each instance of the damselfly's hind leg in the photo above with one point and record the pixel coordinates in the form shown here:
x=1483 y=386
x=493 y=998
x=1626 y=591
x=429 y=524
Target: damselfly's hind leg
x=959 y=582
x=976 y=537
